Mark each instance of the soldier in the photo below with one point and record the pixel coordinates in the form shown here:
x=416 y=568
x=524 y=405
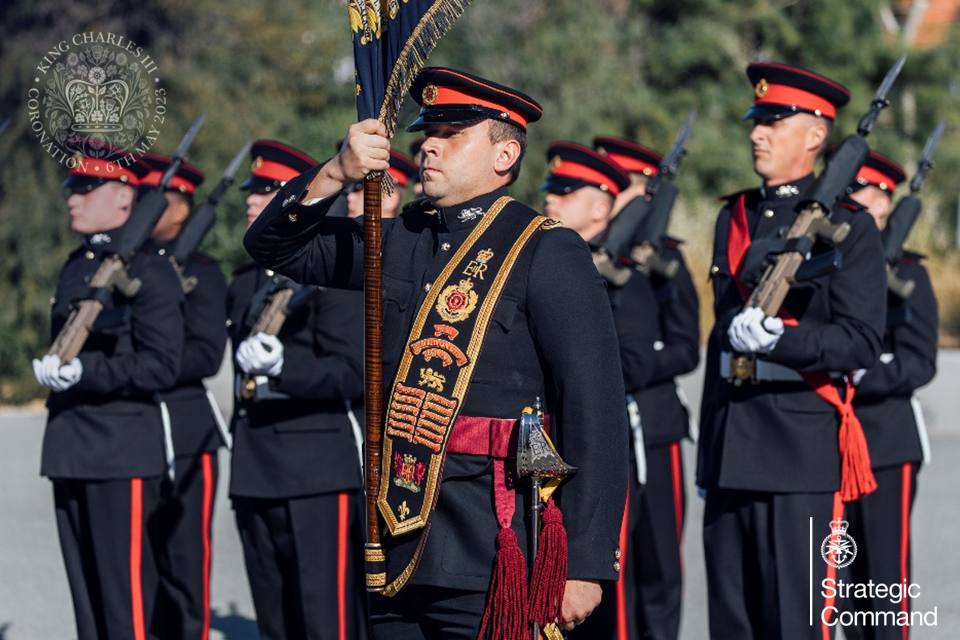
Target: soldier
x=183 y=526
x=581 y=189
x=769 y=453
x=295 y=480
x=402 y=170
x=891 y=418
x=103 y=446
x=657 y=533
x=472 y=239
x=417 y=157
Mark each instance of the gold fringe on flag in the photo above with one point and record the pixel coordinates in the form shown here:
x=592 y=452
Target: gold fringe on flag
x=421 y=42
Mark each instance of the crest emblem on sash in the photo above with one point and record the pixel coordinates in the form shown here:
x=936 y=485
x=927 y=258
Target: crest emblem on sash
x=408 y=471
x=457 y=301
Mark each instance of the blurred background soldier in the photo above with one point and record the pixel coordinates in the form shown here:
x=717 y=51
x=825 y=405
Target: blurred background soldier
x=890 y=414
x=295 y=480
x=417 y=157
x=658 y=530
x=103 y=447
x=581 y=188
x=183 y=526
x=769 y=446
x=402 y=170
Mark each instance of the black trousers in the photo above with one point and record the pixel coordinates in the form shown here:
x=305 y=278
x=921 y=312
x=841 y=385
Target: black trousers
x=760 y=552
x=880 y=525
x=646 y=602
x=304 y=560
x=109 y=562
x=427 y=613
x=182 y=544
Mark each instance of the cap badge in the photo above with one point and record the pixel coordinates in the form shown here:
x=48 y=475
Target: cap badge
x=78 y=159
x=430 y=94
x=761 y=88
x=256 y=164
x=555 y=164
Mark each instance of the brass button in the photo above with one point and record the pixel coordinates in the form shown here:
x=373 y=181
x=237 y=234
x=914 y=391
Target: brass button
x=292 y=217
x=162 y=252
x=616 y=566
x=768 y=213
x=53 y=301
x=242 y=413
x=229 y=322
x=89 y=255
x=445 y=246
x=617 y=554
x=426 y=287
x=270 y=273
x=714 y=269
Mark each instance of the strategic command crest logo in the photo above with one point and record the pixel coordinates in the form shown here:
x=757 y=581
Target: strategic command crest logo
x=92 y=91
x=838 y=548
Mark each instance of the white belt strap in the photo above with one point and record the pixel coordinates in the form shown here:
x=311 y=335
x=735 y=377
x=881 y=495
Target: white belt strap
x=221 y=423
x=921 y=428
x=639 y=448
x=168 y=440
x=692 y=422
x=355 y=426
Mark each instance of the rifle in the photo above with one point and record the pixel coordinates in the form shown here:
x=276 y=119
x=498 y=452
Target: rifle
x=280 y=301
x=814 y=211
x=644 y=220
x=200 y=222
x=112 y=273
x=904 y=215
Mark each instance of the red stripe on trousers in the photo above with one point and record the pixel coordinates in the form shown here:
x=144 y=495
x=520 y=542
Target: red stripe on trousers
x=207 y=464
x=831 y=570
x=343 y=526
x=905 y=539
x=136 y=556
x=621 y=586
x=676 y=470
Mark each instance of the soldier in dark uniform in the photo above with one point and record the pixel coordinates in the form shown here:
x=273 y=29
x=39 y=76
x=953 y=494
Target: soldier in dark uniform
x=551 y=335
x=295 y=480
x=769 y=455
x=402 y=170
x=194 y=427
x=417 y=157
x=890 y=413
x=103 y=446
x=581 y=188
x=657 y=532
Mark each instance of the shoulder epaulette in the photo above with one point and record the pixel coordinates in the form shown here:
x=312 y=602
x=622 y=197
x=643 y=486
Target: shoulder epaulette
x=735 y=194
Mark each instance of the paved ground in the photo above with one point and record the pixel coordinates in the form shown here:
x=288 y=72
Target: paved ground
x=35 y=601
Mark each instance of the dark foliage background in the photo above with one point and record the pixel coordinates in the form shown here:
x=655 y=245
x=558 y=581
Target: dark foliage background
x=622 y=67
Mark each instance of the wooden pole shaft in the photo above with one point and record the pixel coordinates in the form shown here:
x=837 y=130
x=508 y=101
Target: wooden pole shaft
x=373 y=356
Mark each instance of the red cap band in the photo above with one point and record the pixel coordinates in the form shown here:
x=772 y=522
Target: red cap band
x=450 y=95
x=633 y=165
x=876 y=178
x=177 y=184
x=787 y=95
x=99 y=168
x=568 y=169
x=399 y=177
x=275 y=171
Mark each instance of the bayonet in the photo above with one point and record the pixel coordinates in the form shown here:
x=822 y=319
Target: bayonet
x=880 y=101
x=926 y=158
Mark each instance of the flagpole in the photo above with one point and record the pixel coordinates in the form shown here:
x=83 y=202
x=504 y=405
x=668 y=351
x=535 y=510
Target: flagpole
x=373 y=375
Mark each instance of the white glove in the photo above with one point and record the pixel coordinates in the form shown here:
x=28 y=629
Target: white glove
x=261 y=354
x=50 y=374
x=750 y=332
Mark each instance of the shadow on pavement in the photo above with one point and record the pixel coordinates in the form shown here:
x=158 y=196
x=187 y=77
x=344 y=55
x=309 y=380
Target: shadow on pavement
x=233 y=625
